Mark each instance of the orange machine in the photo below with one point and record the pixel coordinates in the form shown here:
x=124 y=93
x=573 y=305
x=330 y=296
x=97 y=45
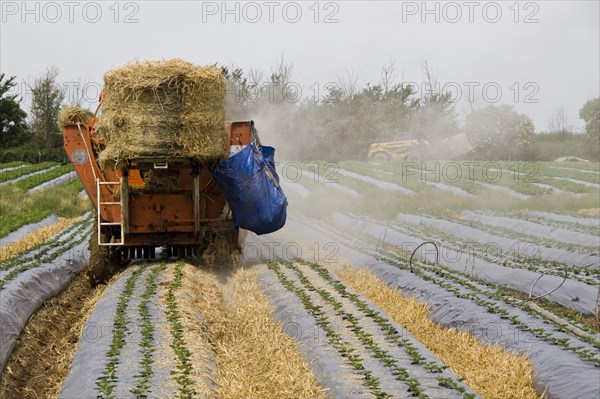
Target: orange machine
x=133 y=218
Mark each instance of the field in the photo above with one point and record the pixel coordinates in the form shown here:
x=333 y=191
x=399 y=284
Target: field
x=391 y=280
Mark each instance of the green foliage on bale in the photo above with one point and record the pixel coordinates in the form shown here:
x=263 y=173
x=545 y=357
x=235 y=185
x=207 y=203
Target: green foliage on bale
x=163 y=108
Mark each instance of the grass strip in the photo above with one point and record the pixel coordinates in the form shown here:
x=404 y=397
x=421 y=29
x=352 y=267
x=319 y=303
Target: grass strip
x=147 y=346
x=488 y=369
x=18 y=208
x=106 y=384
x=27 y=216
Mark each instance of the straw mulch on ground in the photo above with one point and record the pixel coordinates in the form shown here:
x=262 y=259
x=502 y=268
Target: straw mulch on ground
x=35 y=238
x=255 y=358
x=42 y=358
x=488 y=369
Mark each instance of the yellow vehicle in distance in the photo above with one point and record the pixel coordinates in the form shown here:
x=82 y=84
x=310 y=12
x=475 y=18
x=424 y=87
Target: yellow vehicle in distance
x=454 y=147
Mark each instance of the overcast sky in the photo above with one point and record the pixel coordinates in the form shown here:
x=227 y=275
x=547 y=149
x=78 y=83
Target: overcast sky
x=536 y=55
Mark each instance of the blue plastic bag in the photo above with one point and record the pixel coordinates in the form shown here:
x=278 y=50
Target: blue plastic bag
x=250 y=184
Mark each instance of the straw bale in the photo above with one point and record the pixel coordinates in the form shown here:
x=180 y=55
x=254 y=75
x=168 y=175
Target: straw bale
x=163 y=108
x=73 y=114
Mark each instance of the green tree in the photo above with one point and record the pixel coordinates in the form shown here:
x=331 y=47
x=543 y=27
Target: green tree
x=280 y=89
x=500 y=133
x=435 y=116
x=47 y=99
x=13 y=128
x=590 y=113
x=236 y=95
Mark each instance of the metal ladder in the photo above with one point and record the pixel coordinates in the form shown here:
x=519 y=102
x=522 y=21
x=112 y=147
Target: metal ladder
x=120 y=203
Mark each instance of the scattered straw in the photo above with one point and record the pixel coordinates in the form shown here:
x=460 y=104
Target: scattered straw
x=590 y=212
x=163 y=108
x=35 y=238
x=254 y=357
x=194 y=334
x=488 y=369
x=73 y=114
x=159 y=181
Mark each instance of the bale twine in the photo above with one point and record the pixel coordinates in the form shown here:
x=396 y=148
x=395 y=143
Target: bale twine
x=163 y=108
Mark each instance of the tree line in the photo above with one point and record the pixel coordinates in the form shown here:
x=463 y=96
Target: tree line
x=348 y=118
x=340 y=124
x=35 y=137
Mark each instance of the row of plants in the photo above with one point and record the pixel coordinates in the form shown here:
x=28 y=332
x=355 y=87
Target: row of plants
x=569 y=185
x=569 y=225
x=409 y=196
x=502 y=231
x=43 y=248
x=15 y=173
x=435 y=196
x=147 y=346
x=386 y=203
x=183 y=354
x=460 y=174
x=334 y=338
x=465 y=286
x=525 y=178
x=42 y=257
x=524 y=256
x=12 y=164
x=380 y=172
x=552 y=170
x=107 y=382
x=520 y=177
x=493 y=307
x=417 y=179
x=36 y=180
x=366 y=339
x=26 y=216
x=580 y=166
x=391 y=334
